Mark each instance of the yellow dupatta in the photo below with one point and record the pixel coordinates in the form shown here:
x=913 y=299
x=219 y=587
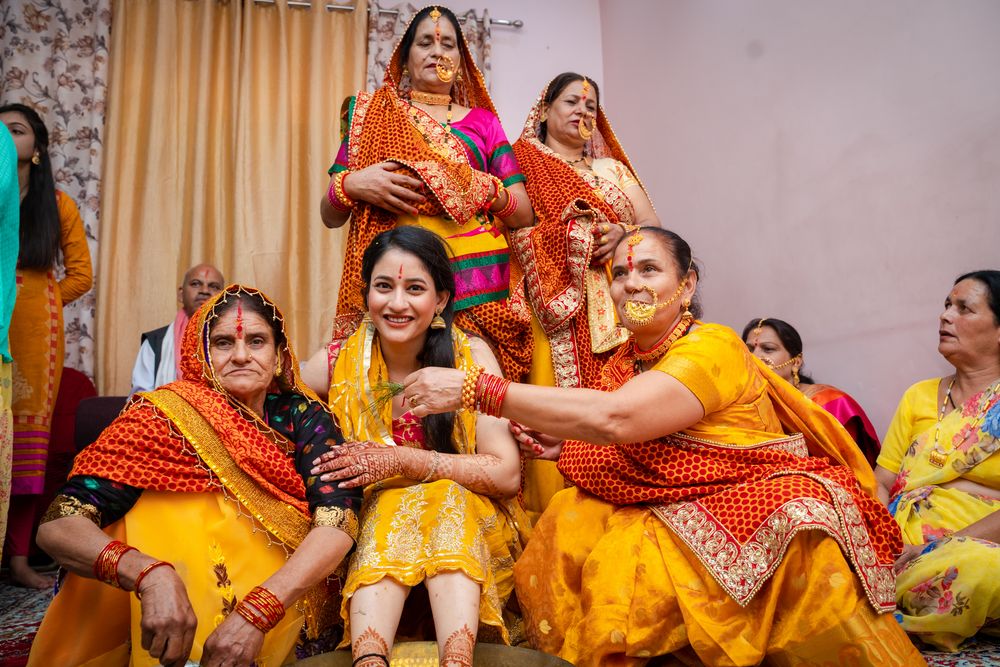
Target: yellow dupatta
x=360 y=395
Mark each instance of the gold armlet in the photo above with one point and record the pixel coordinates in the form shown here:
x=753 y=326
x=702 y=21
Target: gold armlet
x=337 y=517
x=69 y=506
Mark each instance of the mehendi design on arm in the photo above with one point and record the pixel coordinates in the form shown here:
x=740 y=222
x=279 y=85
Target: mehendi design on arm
x=473 y=471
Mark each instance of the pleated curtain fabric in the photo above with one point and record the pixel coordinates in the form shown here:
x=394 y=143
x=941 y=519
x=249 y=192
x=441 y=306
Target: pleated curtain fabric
x=222 y=120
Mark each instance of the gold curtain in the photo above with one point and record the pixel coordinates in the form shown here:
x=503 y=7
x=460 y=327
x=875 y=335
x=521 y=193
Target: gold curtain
x=222 y=120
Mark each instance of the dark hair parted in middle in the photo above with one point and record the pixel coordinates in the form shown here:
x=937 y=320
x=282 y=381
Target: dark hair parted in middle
x=406 y=42
x=554 y=90
x=680 y=251
x=41 y=234
x=787 y=334
x=438 y=349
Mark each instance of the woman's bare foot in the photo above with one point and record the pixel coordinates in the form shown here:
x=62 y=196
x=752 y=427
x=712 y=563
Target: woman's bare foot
x=24 y=575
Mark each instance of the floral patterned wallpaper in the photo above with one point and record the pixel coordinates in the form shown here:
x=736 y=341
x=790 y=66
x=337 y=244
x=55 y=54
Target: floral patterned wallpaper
x=54 y=57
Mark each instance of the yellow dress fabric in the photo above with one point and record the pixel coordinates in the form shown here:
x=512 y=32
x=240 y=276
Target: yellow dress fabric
x=541 y=478
x=225 y=548
x=604 y=584
x=36 y=345
x=951 y=592
x=409 y=530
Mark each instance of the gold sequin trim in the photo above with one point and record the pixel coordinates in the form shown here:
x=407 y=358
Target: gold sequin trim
x=280 y=519
x=69 y=506
x=337 y=517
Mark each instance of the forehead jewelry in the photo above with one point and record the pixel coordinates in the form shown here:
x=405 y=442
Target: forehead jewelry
x=239 y=320
x=756 y=331
x=633 y=240
x=445 y=65
x=581 y=126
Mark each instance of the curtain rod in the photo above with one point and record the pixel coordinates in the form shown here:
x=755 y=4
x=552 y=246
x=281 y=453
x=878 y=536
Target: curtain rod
x=330 y=7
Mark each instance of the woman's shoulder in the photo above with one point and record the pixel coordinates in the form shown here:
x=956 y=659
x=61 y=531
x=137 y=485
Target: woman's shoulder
x=922 y=390
x=714 y=335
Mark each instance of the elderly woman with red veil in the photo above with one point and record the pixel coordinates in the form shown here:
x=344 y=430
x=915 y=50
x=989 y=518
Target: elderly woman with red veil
x=585 y=192
x=427 y=149
x=199 y=499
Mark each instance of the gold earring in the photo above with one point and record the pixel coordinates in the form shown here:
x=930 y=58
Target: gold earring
x=36 y=159
x=687 y=314
x=458 y=75
x=405 y=73
x=795 y=377
x=544 y=117
x=277 y=369
x=438 y=321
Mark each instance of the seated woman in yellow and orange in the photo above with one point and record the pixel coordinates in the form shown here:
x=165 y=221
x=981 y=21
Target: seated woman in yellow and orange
x=427 y=149
x=718 y=515
x=584 y=192
x=779 y=345
x=199 y=498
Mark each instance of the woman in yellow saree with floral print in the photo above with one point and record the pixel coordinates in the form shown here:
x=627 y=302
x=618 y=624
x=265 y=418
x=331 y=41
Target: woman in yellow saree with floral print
x=941 y=480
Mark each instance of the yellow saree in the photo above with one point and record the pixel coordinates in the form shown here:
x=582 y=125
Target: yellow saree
x=618 y=583
x=950 y=592
x=411 y=530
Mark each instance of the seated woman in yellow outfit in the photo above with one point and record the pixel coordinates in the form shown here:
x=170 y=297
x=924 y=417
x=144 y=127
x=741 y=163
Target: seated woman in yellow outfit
x=718 y=514
x=940 y=476
x=437 y=500
x=199 y=498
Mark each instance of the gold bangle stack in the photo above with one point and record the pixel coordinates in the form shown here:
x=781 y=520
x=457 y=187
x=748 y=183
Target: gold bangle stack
x=469 y=387
x=340 y=200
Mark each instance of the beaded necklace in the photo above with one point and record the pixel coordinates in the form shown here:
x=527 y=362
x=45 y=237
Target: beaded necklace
x=938 y=456
x=660 y=348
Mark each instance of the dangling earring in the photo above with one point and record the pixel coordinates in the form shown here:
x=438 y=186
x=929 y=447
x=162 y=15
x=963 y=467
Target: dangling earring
x=687 y=314
x=277 y=369
x=544 y=117
x=405 y=73
x=458 y=76
x=438 y=321
x=36 y=159
x=795 y=377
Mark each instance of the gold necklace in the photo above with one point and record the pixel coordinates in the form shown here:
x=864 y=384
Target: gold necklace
x=660 y=348
x=938 y=456
x=433 y=99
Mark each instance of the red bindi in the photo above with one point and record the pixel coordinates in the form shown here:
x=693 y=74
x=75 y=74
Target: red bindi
x=400 y=276
x=239 y=320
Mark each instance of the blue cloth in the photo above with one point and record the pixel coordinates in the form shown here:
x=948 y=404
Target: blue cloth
x=10 y=225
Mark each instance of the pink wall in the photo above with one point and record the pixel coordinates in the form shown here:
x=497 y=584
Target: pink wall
x=558 y=35
x=833 y=164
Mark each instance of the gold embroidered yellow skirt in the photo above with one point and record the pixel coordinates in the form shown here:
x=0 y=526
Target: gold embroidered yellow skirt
x=600 y=584
x=91 y=623
x=414 y=532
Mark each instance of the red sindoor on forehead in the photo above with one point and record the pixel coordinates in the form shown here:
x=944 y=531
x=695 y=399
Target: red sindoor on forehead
x=239 y=320
x=400 y=276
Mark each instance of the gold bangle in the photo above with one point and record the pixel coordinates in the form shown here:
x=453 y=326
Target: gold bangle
x=469 y=387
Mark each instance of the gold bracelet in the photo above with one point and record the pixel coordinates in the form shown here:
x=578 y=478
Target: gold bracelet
x=469 y=387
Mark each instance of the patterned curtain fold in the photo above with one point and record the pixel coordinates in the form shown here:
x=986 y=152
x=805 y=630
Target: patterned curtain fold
x=386 y=29
x=54 y=58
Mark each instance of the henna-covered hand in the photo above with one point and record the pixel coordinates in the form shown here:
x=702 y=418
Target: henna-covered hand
x=355 y=464
x=536 y=445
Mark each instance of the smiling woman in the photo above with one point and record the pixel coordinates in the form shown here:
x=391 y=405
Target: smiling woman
x=940 y=477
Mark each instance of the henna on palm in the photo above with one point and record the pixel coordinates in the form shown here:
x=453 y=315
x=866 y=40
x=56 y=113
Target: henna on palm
x=372 y=646
x=458 y=648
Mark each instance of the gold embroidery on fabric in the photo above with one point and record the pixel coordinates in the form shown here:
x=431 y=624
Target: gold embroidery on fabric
x=223 y=583
x=337 y=517
x=403 y=541
x=280 y=519
x=742 y=569
x=367 y=554
x=605 y=335
x=449 y=529
x=63 y=505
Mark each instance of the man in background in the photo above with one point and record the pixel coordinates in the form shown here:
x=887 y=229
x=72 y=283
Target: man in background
x=160 y=350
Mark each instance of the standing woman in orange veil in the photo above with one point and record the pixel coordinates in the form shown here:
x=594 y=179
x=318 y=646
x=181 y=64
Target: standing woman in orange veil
x=585 y=193
x=427 y=149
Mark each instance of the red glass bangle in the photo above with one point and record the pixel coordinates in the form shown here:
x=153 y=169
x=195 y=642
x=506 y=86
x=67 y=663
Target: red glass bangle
x=146 y=570
x=106 y=565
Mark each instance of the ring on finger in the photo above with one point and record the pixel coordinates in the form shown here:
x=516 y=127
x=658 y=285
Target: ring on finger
x=414 y=401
